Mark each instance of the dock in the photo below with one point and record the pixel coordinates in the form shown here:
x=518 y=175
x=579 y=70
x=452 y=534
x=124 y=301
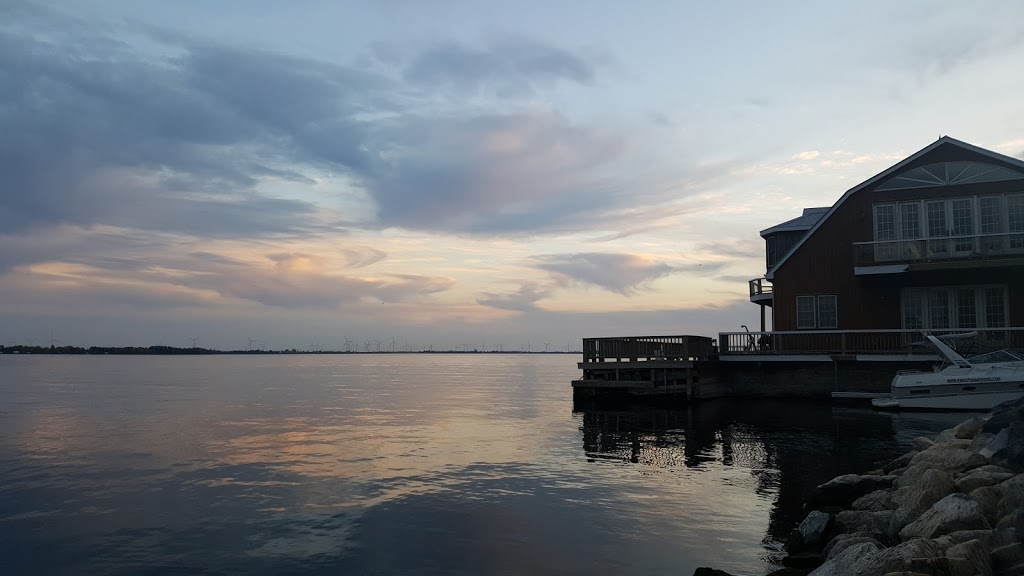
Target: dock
x=648 y=366
x=821 y=364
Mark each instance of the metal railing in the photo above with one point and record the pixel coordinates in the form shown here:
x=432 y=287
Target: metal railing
x=760 y=287
x=977 y=246
x=635 y=348
x=865 y=341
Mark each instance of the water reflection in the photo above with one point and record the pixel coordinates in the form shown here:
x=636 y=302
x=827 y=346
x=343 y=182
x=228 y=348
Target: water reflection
x=786 y=447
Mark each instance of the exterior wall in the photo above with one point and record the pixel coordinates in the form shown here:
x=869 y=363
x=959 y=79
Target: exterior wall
x=824 y=264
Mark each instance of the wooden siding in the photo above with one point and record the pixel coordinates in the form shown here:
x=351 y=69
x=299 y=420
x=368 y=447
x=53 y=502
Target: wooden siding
x=824 y=263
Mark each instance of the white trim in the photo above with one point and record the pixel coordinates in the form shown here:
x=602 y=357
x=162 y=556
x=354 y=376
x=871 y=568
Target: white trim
x=888 y=269
x=775 y=358
x=884 y=174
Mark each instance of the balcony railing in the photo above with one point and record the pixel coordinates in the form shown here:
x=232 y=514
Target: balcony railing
x=967 y=341
x=977 y=246
x=760 y=288
x=635 y=348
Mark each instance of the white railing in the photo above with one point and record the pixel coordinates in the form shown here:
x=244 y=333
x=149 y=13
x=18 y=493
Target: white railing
x=976 y=246
x=864 y=341
x=760 y=287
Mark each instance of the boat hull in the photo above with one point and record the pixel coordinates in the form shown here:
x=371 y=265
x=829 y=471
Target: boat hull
x=974 y=402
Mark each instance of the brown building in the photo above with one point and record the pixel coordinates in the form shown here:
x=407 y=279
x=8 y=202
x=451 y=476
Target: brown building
x=936 y=242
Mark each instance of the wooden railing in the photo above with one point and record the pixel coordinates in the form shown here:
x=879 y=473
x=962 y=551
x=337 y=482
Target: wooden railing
x=635 y=348
x=976 y=246
x=866 y=341
x=760 y=287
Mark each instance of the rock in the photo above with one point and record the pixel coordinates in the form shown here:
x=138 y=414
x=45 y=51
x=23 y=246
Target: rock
x=1018 y=526
x=914 y=499
x=900 y=462
x=990 y=538
x=949 y=458
x=874 y=524
x=843 y=490
x=980 y=441
x=853 y=560
x=917 y=555
x=815 y=525
x=1004 y=414
x=1013 y=495
x=969 y=429
x=705 y=571
x=952 y=513
x=788 y=572
x=976 y=553
x=989 y=497
x=1011 y=454
x=844 y=541
x=803 y=560
x=1009 y=521
x=922 y=443
x=1008 y=556
x=978 y=478
x=876 y=501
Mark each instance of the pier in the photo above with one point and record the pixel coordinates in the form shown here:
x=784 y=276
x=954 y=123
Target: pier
x=681 y=366
x=771 y=364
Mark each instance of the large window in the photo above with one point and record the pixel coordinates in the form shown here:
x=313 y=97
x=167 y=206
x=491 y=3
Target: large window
x=817 y=312
x=954 y=307
x=949 y=227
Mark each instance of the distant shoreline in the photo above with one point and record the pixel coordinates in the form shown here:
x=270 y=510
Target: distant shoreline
x=173 y=351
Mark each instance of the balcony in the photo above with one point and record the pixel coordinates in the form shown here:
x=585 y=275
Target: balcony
x=646 y=348
x=891 y=256
x=761 y=291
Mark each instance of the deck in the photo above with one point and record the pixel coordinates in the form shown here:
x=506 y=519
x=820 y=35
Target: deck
x=862 y=344
x=644 y=365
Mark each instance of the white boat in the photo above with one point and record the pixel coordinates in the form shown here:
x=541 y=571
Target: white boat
x=977 y=383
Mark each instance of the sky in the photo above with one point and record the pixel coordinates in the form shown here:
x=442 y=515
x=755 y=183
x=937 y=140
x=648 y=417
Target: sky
x=452 y=174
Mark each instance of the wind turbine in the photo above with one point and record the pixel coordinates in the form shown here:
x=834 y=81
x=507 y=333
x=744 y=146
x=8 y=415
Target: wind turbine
x=366 y=345
x=194 y=340
x=348 y=345
x=546 y=344
x=251 y=340
x=392 y=343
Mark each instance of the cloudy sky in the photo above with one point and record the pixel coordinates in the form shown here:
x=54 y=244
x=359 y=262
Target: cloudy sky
x=453 y=172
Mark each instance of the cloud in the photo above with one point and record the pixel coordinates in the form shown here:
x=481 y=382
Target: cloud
x=619 y=273
x=512 y=66
x=362 y=256
x=522 y=300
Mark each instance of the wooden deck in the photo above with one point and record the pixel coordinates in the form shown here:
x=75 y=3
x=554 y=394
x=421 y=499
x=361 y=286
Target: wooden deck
x=854 y=343
x=643 y=365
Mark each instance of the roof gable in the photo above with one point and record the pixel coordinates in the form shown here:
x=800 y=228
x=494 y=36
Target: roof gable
x=881 y=176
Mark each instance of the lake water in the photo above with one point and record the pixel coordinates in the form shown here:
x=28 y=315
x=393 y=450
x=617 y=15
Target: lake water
x=398 y=464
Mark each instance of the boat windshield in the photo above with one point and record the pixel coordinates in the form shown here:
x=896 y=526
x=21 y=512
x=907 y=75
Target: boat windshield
x=995 y=357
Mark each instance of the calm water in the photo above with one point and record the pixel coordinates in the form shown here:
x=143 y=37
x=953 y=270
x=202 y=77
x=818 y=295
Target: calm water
x=395 y=464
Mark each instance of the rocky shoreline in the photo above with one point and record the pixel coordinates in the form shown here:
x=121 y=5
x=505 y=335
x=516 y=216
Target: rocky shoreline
x=953 y=506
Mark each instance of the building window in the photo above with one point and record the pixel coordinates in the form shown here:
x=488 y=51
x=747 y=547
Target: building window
x=954 y=308
x=1015 y=220
x=805 y=306
x=955 y=227
x=816 y=312
x=827 y=317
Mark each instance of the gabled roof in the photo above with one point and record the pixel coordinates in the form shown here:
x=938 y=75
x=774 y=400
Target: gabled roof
x=799 y=224
x=885 y=174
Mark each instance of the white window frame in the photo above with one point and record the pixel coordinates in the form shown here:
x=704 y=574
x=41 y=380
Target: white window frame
x=835 y=311
x=801 y=323
x=980 y=302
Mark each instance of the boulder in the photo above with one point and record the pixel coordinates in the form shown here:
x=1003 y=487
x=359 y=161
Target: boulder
x=843 y=541
x=1013 y=495
x=900 y=462
x=922 y=443
x=977 y=478
x=989 y=497
x=969 y=428
x=853 y=560
x=805 y=560
x=981 y=441
x=843 y=490
x=815 y=525
x=950 y=458
x=917 y=555
x=1010 y=454
x=976 y=553
x=914 y=499
x=990 y=538
x=705 y=571
x=876 y=501
x=874 y=524
x=1004 y=414
x=1009 y=521
x=952 y=513
x=1007 y=556
x=1018 y=526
